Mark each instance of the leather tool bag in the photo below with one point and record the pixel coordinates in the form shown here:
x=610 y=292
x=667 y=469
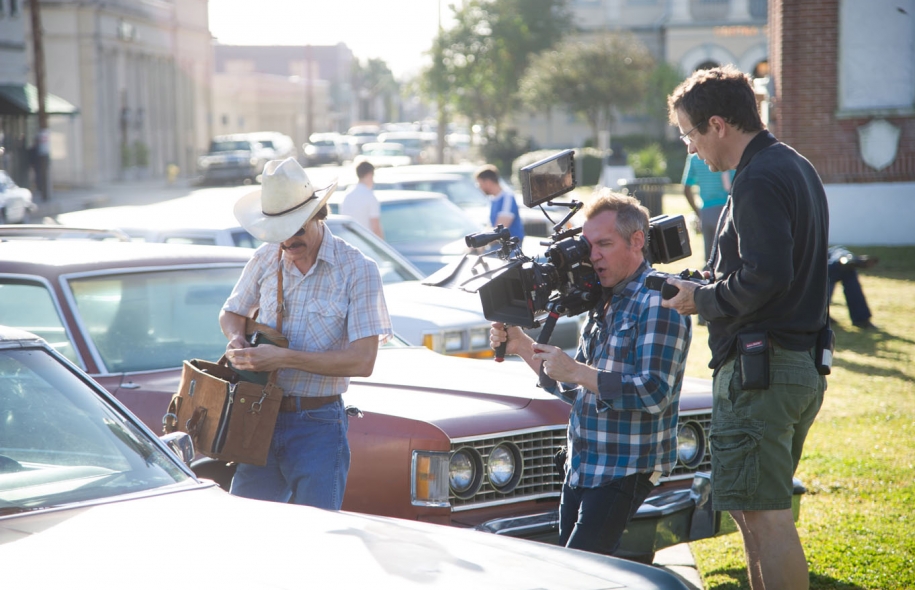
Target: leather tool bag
x=230 y=415
x=227 y=418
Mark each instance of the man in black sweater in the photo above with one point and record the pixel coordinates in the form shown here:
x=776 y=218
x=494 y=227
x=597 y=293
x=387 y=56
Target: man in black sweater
x=765 y=305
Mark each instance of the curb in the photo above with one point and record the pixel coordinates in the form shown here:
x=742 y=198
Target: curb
x=679 y=561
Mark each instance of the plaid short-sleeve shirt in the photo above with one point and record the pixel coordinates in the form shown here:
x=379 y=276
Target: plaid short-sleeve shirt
x=340 y=300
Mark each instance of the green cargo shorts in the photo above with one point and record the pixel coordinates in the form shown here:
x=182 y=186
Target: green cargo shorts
x=757 y=435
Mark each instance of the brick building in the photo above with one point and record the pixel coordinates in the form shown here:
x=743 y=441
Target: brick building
x=843 y=95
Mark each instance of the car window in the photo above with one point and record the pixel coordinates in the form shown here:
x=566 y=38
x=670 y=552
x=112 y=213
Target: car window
x=243 y=239
x=60 y=443
x=30 y=306
x=148 y=321
x=424 y=220
x=392 y=270
x=230 y=146
x=188 y=240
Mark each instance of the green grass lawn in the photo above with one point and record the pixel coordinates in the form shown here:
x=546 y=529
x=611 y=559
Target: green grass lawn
x=858 y=515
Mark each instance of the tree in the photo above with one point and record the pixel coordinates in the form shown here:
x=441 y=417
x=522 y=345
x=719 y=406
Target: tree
x=478 y=64
x=592 y=77
x=371 y=81
x=661 y=83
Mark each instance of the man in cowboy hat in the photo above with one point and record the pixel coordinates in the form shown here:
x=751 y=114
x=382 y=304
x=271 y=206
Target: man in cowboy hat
x=325 y=296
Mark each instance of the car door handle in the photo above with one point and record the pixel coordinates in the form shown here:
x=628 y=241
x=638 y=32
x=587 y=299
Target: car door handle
x=130 y=385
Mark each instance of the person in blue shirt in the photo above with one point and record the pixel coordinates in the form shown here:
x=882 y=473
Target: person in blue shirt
x=503 y=208
x=713 y=190
x=623 y=384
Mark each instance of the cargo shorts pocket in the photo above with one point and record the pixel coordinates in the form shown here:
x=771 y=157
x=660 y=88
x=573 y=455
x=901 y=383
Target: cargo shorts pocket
x=735 y=457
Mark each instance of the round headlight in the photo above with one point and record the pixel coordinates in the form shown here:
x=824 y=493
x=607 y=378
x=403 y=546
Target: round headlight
x=690 y=444
x=464 y=472
x=504 y=466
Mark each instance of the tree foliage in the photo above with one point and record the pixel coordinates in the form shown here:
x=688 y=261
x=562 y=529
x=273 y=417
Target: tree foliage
x=372 y=80
x=591 y=77
x=477 y=65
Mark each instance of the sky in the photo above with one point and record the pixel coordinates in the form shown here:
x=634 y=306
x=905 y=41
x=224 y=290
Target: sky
x=397 y=31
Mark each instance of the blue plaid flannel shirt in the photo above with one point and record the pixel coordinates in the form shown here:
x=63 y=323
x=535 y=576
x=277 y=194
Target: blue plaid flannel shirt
x=630 y=425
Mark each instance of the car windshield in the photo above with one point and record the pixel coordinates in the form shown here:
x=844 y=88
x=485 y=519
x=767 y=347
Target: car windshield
x=145 y=321
x=61 y=443
x=392 y=270
x=460 y=191
x=229 y=146
x=425 y=220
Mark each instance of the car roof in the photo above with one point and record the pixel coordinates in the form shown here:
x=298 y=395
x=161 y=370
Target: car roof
x=27 y=257
x=396 y=196
x=59 y=232
x=393 y=175
x=8 y=334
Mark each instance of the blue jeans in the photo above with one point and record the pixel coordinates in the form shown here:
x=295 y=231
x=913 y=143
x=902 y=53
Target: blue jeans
x=854 y=294
x=308 y=460
x=593 y=519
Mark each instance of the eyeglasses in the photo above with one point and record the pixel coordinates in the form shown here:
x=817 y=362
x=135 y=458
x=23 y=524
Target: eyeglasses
x=685 y=136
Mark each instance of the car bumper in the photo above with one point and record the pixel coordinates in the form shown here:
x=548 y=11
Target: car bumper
x=241 y=173
x=664 y=519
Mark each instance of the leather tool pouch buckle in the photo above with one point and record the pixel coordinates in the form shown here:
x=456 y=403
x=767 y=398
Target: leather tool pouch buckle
x=753 y=356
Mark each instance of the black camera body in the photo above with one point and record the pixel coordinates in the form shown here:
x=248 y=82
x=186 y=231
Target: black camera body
x=658 y=281
x=523 y=289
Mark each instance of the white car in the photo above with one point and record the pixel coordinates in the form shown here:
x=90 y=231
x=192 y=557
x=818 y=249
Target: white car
x=90 y=498
x=382 y=155
x=15 y=201
x=450 y=322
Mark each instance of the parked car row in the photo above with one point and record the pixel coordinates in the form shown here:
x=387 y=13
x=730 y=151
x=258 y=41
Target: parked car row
x=88 y=487
x=15 y=201
x=241 y=157
x=130 y=313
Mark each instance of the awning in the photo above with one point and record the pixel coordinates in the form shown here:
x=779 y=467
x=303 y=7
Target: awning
x=22 y=99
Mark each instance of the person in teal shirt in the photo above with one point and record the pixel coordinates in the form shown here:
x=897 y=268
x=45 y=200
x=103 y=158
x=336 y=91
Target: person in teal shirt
x=714 y=188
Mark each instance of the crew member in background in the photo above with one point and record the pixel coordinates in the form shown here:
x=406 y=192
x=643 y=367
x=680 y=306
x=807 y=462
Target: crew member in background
x=360 y=202
x=503 y=208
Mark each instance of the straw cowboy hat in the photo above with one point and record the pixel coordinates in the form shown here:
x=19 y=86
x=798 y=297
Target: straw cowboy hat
x=285 y=202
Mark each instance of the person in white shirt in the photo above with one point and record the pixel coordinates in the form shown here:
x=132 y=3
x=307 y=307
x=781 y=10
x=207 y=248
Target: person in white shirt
x=360 y=202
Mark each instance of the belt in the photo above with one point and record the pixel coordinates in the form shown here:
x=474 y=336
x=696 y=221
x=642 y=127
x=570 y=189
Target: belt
x=288 y=403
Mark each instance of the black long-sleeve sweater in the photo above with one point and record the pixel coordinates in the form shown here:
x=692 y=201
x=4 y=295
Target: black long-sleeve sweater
x=769 y=263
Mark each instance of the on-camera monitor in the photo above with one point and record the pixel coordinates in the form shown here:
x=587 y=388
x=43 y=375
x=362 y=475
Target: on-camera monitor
x=548 y=178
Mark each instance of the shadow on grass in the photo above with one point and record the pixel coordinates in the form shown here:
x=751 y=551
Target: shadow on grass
x=737 y=579
x=875 y=343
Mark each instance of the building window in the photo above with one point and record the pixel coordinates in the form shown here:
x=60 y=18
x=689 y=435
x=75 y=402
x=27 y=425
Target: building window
x=871 y=37
x=14 y=7
x=225 y=120
x=759 y=9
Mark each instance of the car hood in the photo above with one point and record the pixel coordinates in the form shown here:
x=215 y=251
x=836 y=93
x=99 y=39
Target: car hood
x=437 y=307
x=206 y=538
x=419 y=384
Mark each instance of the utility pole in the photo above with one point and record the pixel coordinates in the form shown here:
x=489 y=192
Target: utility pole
x=442 y=114
x=309 y=95
x=42 y=141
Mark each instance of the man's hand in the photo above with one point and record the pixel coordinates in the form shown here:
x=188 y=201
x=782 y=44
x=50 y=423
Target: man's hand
x=265 y=357
x=512 y=335
x=556 y=364
x=684 y=301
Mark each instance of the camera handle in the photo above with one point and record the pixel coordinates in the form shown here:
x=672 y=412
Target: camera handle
x=544 y=338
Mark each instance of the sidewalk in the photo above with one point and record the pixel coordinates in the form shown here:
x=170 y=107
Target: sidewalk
x=679 y=561
x=132 y=192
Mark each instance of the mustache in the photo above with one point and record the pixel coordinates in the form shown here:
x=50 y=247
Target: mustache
x=292 y=245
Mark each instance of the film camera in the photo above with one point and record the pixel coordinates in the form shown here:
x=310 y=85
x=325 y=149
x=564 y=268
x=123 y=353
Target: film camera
x=519 y=290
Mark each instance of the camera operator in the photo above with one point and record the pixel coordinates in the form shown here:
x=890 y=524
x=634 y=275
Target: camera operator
x=765 y=312
x=623 y=384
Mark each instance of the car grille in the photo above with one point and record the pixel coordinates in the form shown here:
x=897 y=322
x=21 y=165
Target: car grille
x=681 y=471
x=540 y=479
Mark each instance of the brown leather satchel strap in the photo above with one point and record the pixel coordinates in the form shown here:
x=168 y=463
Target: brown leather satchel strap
x=280 y=297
